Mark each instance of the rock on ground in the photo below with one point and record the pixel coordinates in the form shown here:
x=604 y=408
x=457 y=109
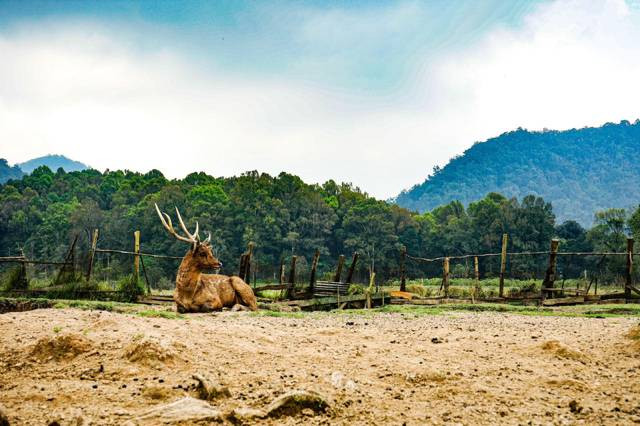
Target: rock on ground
x=183 y=410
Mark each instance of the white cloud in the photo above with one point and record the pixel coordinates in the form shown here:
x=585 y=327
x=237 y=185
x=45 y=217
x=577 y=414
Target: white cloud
x=84 y=91
x=572 y=64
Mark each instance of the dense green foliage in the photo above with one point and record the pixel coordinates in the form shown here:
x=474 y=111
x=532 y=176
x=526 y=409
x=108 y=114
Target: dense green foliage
x=7 y=172
x=579 y=171
x=41 y=212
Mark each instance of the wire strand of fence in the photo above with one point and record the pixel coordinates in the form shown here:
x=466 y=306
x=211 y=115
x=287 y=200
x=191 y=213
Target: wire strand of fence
x=15 y=259
x=525 y=253
x=159 y=256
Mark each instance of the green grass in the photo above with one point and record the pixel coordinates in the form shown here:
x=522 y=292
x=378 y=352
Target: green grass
x=585 y=311
x=160 y=314
x=269 y=294
x=278 y=314
x=463 y=287
x=96 y=305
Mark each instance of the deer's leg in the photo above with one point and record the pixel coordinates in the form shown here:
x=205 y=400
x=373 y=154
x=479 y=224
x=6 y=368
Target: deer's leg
x=213 y=304
x=244 y=293
x=238 y=307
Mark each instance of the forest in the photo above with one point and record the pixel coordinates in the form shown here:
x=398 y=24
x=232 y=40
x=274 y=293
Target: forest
x=580 y=171
x=41 y=212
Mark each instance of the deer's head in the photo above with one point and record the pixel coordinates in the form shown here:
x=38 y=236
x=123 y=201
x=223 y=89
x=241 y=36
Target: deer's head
x=200 y=255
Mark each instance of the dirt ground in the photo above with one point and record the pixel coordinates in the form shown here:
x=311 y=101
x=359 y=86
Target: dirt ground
x=93 y=367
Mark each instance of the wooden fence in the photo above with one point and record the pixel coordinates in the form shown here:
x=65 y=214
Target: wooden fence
x=338 y=287
x=548 y=289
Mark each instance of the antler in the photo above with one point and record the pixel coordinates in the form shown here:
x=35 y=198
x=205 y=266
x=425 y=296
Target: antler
x=195 y=236
x=164 y=218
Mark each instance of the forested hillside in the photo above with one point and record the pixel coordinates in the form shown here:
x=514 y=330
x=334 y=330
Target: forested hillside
x=41 y=212
x=578 y=171
x=52 y=161
x=7 y=172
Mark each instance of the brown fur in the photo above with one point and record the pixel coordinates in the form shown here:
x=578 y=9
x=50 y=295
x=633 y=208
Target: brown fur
x=198 y=292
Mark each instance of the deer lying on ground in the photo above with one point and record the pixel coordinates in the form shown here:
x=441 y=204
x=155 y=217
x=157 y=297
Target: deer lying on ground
x=199 y=292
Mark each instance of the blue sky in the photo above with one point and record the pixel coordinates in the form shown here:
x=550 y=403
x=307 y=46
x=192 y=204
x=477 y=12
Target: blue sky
x=355 y=46
x=376 y=93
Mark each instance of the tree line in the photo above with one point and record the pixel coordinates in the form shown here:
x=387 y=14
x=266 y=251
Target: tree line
x=41 y=212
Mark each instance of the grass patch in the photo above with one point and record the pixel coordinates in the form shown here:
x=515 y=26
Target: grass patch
x=269 y=294
x=159 y=314
x=584 y=311
x=278 y=314
x=96 y=305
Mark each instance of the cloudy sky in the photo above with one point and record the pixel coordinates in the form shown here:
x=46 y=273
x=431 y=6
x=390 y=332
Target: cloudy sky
x=374 y=93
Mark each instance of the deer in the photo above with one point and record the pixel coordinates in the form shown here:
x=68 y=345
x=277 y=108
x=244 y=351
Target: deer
x=201 y=292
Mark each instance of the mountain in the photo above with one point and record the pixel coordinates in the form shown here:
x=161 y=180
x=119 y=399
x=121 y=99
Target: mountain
x=7 y=172
x=53 y=162
x=579 y=171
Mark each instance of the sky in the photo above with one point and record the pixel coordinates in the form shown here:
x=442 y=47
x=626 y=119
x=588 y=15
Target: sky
x=368 y=92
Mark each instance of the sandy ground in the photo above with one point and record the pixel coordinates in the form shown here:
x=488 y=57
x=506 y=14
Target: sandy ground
x=91 y=367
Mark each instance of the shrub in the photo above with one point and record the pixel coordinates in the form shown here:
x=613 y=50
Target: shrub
x=356 y=289
x=130 y=288
x=418 y=289
x=13 y=279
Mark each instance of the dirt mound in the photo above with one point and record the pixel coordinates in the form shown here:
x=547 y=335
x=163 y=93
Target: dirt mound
x=568 y=384
x=563 y=351
x=66 y=346
x=150 y=352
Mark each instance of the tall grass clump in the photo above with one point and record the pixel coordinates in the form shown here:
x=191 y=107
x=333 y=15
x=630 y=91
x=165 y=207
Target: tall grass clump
x=130 y=288
x=13 y=279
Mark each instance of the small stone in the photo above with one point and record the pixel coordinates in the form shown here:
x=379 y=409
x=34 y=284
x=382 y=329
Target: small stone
x=294 y=402
x=182 y=411
x=4 y=418
x=308 y=412
x=242 y=414
x=574 y=407
x=436 y=340
x=208 y=391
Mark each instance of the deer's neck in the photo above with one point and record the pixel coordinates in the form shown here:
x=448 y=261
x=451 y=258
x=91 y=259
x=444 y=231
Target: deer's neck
x=188 y=275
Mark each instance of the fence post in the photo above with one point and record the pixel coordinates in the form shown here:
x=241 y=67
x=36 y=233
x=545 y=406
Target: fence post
x=550 y=275
x=292 y=277
x=136 y=259
x=445 y=276
x=352 y=268
x=476 y=275
x=403 y=273
x=314 y=267
x=629 y=276
x=92 y=252
x=281 y=272
x=67 y=272
x=503 y=262
x=23 y=280
x=246 y=270
x=243 y=259
x=338 y=275
x=372 y=280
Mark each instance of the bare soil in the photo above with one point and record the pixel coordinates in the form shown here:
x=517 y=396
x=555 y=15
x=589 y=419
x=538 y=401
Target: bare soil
x=92 y=367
